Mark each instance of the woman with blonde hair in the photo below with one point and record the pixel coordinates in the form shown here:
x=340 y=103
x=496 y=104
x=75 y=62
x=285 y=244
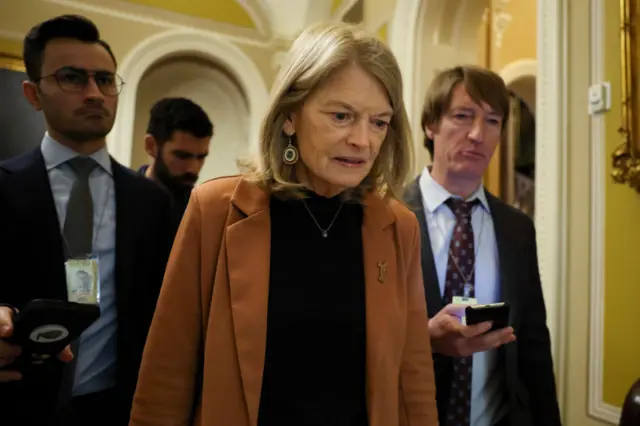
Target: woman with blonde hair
x=294 y=295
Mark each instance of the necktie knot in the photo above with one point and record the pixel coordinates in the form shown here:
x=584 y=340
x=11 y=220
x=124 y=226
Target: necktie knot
x=83 y=166
x=460 y=208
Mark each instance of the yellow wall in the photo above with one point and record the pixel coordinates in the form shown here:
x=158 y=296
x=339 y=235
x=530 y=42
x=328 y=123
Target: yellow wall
x=382 y=32
x=335 y=5
x=227 y=11
x=622 y=265
x=10 y=47
x=519 y=39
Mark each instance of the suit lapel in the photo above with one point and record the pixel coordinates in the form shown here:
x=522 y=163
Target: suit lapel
x=413 y=197
x=381 y=275
x=125 y=227
x=32 y=197
x=508 y=252
x=248 y=245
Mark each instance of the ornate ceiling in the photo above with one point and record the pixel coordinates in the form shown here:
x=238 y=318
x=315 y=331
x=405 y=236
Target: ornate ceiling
x=260 y=21
x=227 y=11
x=280 y=18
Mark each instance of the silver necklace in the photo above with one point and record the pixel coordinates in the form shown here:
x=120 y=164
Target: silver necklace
x=325 y=232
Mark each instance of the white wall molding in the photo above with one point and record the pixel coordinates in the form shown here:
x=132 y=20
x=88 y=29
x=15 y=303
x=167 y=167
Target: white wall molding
x=278 y=59
x=517 y=69
x=170 y=43
x=260 y=14
x=551 y=173
x=501 y=21
x=170 y=20
x=290 y=18
x=596 y=406
x=228 y=113
x=217 y=93
x=403 y=36
x=229 y=92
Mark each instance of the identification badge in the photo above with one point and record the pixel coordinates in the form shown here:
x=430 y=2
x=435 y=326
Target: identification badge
x=83 y=282
x=459 y=300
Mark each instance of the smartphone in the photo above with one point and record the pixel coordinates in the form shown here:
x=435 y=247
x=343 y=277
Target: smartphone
x=44 y=327
x=496 y=312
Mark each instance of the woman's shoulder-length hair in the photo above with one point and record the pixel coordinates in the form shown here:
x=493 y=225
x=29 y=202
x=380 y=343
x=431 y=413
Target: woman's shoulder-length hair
x=316 y=54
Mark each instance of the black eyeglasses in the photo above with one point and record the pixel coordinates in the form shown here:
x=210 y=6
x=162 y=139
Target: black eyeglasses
x=75 y=80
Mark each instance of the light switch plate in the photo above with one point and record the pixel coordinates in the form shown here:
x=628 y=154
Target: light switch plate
x=599 y=98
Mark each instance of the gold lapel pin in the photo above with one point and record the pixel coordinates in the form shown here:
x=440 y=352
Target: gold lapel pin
x=382 y=271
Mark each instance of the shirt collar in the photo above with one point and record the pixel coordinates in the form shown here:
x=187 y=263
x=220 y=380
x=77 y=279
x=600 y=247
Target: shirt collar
x=56 y=154
x=434 y=194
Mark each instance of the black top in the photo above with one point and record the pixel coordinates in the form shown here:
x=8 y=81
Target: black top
x=314 y=372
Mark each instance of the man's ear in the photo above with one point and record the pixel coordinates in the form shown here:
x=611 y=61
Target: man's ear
x=429 y=131
x=150 y=146
x=30 y=90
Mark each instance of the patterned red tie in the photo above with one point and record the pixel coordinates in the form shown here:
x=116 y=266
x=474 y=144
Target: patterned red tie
x=460 y=274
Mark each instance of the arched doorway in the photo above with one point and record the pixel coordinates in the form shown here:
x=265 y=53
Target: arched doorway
x=518 y=159
x=519 y=155
x=211 y=87
x=192 y=44
x=423 y=30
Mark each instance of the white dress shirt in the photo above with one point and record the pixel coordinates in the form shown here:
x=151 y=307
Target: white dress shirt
x=488 y=397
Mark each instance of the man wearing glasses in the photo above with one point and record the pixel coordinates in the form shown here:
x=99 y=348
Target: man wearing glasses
x=67 y=202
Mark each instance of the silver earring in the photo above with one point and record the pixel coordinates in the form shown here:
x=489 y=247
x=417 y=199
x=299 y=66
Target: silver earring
x=290 y=155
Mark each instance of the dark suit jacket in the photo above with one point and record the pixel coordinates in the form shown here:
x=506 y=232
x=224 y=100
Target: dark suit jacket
x=32 y=261
x=527 y=363
x=178 y=201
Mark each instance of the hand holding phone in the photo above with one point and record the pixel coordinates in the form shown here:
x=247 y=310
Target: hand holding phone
x=497 y=313
x=451 y=338
x=44 y=329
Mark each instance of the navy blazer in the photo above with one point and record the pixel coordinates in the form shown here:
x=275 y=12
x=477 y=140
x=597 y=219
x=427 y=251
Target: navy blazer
x=32 y=266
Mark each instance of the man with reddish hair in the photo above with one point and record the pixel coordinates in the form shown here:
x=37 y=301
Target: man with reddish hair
x=477 y=249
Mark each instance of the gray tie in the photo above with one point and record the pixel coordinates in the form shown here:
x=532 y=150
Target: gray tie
x=78 y=237
x=78 y=225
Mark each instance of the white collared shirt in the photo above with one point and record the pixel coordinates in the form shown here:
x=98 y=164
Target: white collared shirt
x=488 y=397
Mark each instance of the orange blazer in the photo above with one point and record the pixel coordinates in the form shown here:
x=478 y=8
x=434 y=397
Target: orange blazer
x=204 y=357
